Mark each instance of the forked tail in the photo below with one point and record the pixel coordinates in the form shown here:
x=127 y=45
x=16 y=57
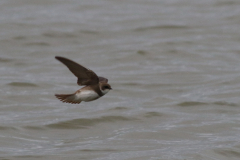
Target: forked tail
x=68 y=98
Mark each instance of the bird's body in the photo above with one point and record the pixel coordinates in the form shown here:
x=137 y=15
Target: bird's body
x=95 y=87
x=87 y=95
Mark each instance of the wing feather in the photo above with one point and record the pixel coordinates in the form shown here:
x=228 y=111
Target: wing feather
x=85 y=76
x=102 y=79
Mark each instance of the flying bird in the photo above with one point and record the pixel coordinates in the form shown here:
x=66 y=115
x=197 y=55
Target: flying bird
x=94 y=86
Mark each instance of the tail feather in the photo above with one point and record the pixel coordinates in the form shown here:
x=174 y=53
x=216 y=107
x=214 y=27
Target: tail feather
x=68 y=98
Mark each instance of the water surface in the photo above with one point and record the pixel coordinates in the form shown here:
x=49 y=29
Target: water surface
x=173 y=66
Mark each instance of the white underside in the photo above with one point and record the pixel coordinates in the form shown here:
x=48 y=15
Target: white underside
x=87 y=95
x=104 y=91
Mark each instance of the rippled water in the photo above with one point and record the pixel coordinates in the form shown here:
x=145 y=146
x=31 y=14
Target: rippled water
x=174 y=67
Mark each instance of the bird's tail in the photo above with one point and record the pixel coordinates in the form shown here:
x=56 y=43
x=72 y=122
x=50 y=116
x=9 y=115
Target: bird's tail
x=68 y=98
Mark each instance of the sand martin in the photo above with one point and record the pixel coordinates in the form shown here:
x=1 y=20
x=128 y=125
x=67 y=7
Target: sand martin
x=95 y=87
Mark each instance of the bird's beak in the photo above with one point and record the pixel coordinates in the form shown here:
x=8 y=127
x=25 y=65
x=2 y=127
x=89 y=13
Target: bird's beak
x=110 y=88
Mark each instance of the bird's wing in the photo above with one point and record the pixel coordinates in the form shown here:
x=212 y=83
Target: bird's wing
x=102 y=79
x=85 y=76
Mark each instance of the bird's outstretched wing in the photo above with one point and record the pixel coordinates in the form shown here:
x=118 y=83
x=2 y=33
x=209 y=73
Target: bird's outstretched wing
x=102 y=79
x=85 y=76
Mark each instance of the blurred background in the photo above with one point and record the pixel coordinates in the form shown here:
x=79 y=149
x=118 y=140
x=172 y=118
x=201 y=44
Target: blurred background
x=174 y=66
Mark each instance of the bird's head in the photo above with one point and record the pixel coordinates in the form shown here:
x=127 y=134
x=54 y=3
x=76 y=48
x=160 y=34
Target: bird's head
x=105 y=87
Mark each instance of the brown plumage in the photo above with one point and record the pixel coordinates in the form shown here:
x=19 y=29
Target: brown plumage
x=85 y=76
x=95 y=87
x=68 y=98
